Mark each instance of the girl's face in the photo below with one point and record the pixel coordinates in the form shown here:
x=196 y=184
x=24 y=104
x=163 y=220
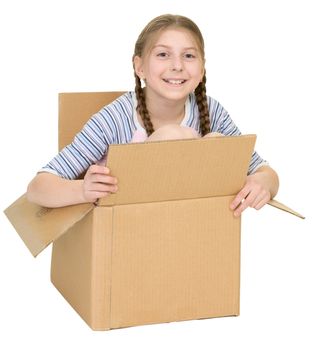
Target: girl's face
x=173 y=67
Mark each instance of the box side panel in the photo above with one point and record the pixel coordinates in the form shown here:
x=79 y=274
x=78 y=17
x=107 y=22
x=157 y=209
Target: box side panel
x=174 y=260
x=101 y=268
x=71 y=266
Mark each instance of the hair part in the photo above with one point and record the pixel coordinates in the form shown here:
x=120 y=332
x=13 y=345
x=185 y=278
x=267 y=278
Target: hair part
x=145 y=42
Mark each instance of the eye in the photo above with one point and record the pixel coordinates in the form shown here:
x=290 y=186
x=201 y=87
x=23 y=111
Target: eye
x=162 y=54
x=189 y=56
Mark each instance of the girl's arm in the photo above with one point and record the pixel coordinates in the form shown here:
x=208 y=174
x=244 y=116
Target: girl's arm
x=53 y=191
x=259 y=188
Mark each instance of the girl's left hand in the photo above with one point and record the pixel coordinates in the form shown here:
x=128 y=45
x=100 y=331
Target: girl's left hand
x=254 y=194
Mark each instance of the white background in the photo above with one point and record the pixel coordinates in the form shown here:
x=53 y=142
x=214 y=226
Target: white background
x=259 y=66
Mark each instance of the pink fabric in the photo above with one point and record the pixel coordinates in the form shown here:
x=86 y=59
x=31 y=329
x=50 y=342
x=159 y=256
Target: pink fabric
x=139 y=136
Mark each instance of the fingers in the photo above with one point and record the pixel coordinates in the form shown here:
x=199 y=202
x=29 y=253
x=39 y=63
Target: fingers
x=98 y=183
x=262 y=201
x=99 y=177
x=98 y=169
x=241 y=196
x=252 y=195
x=101 y=187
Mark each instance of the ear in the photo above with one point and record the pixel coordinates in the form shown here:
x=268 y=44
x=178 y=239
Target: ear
x=138 y=66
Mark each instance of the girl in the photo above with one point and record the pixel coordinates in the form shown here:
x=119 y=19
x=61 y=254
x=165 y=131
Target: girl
x=169 y=59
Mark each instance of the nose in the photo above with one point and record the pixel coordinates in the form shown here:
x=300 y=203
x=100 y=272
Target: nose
x=177 y=64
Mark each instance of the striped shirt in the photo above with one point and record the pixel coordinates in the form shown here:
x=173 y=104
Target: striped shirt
x=117 y=122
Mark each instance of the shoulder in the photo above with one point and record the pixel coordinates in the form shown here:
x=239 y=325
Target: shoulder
x=120 y=108
x=215 y=107
x=217 y=113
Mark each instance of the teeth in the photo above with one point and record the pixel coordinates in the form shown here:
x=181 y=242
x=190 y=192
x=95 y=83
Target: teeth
x=176 y=82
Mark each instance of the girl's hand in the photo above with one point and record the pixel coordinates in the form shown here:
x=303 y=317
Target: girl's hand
x=254 y=194
x=98 y=183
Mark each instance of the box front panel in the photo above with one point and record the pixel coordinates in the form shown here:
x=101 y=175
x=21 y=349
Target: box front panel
x=174 y=260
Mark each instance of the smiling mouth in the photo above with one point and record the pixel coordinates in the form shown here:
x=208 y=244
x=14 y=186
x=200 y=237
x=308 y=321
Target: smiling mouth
x=175 y=81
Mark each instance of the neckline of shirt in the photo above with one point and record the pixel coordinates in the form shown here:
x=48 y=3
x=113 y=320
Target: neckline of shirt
x=138 y=125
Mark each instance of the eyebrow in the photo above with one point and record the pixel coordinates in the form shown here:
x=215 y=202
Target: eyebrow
x=169 y=47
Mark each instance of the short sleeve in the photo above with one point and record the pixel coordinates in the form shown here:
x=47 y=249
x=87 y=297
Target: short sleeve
x=88 y=147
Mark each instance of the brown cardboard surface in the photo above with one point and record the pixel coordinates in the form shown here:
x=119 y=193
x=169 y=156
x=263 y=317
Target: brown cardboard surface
x=38 y=226
x=174 y=172
x=81 y=266
x=165 y=247
x=173 y=268
x=281 y=206
x=145 y=263
x=179 y=169
x=76 y=108
x=71 y=267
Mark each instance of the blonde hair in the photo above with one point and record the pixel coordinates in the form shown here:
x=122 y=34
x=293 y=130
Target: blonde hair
x=156 y=26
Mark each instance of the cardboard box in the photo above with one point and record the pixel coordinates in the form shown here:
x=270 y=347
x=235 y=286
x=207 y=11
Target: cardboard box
x=165 y=247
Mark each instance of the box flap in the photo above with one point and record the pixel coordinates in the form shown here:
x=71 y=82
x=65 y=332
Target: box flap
x=39 y=226
x=281 y=206
x=75 y=108
x=179 y=169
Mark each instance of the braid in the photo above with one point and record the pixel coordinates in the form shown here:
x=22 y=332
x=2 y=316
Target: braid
x=202 y=103
x=142 y=108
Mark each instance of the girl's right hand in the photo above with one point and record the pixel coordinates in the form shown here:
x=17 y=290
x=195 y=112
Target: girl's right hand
x=98 y=183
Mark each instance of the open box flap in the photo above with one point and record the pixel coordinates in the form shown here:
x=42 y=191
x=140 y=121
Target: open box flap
x=179 y=169
x=76 y=108
x=39 y=226
x=148 y=172
x=281 y=206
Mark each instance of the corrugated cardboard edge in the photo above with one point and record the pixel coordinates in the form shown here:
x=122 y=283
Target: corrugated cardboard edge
x=281 y=206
